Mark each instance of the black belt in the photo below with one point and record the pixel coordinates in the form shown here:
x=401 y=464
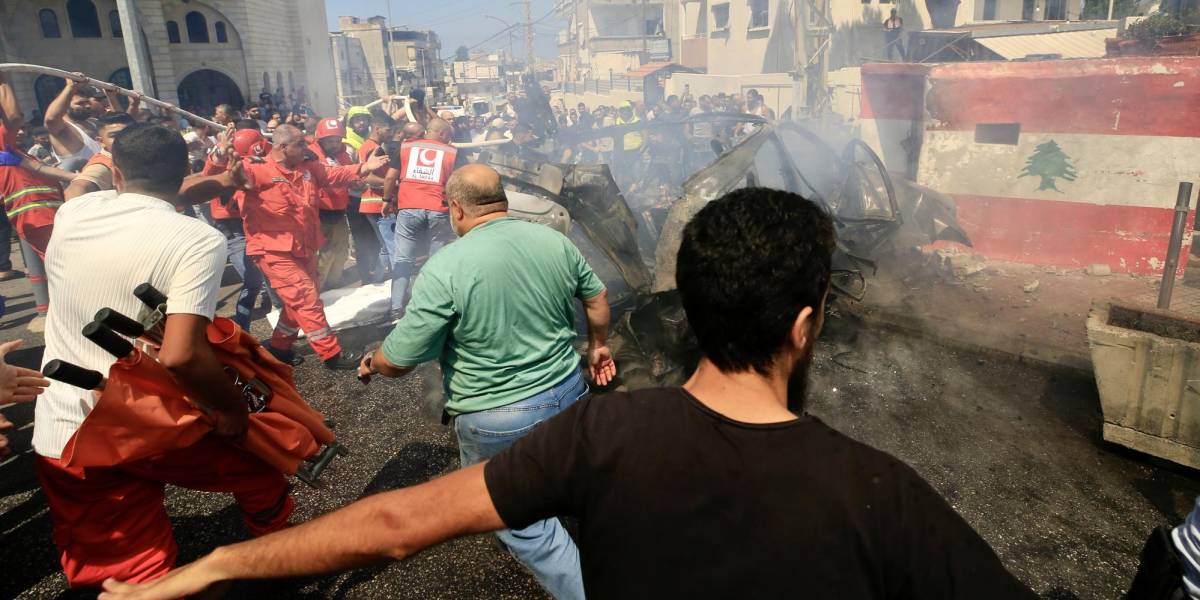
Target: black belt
x=332 y=215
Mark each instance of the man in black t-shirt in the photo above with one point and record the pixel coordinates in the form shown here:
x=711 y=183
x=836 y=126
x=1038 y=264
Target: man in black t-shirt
x=723 y=488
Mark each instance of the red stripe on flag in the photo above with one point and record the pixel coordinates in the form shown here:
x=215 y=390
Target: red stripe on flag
x=1125 y=96
x=1067 y=234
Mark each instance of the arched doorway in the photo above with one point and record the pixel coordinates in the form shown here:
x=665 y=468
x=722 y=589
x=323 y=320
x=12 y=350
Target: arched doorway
x=203 y=90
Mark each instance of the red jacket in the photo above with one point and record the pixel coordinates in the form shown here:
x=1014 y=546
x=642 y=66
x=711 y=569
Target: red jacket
x=221 y=210
x=425 y=167
x=281 y=210
x=336 y=197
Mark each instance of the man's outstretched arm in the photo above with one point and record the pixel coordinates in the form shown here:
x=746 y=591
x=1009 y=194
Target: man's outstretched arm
x=392 y=525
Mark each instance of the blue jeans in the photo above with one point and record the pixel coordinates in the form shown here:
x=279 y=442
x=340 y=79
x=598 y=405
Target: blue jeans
x=544 y=547
x=385 y=228
x=252 y=280
x=417 y=229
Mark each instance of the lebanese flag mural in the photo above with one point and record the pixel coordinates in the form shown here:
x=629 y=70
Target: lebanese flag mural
x=1065 y=162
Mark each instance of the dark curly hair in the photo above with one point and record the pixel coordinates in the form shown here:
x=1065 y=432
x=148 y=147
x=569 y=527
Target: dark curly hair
x=748 y=263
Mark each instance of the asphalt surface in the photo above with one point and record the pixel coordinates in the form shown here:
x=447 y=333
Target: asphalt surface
x=1016 y=449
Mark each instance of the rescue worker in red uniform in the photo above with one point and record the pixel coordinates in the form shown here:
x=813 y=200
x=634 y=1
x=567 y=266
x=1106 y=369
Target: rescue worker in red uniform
x=371 y=205
x=331 y=150
x=283 y=235
x=422 y=216
x=227 y=218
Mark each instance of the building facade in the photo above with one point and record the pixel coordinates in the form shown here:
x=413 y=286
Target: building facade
x=604 y=37
x=372 y=55
x=200 y=53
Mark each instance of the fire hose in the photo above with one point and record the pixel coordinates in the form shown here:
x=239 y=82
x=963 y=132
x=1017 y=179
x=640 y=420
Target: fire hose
x=104 y=85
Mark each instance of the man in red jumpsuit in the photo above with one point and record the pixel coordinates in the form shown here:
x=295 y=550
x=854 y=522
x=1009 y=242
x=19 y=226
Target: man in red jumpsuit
x=283 y=235
x=331 y=150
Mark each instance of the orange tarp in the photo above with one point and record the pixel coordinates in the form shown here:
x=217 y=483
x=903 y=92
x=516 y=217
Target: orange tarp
x=143 y=411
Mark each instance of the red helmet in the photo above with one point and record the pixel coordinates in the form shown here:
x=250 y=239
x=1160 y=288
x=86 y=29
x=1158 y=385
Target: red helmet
x=250 y=142
x=330 y=128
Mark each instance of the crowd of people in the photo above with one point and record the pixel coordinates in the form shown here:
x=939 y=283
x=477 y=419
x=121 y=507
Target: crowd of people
x=723 y=487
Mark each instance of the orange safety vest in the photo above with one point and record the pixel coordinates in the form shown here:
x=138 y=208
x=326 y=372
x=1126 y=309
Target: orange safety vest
x=142 y=411
x=372 y=201
x=425 y=167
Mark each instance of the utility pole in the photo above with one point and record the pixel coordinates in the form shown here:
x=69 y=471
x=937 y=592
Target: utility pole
x=528 y=37
x=645 y=52
x=799 y=75
x=391 y=59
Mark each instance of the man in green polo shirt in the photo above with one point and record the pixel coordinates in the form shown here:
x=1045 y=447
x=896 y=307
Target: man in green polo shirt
x=497 y=309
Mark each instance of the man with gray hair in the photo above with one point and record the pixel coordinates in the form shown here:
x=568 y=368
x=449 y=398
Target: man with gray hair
x=497 y=308
x=283 y=235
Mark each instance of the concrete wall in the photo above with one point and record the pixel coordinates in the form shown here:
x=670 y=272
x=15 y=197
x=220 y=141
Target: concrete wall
x=1090 y=178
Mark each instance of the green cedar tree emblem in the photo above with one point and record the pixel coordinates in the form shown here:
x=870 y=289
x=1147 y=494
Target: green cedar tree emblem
x=1049 y=162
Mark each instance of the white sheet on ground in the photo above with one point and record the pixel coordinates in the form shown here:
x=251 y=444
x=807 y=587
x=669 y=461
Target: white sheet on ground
x=352 y=306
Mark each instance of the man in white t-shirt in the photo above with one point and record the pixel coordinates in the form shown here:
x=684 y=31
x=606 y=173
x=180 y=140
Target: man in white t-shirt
x=110 y=521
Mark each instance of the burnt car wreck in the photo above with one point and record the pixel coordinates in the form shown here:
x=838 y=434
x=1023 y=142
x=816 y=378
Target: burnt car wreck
x=634 y=249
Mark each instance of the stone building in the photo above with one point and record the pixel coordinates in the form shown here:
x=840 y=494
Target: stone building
x=194 y=53
x=371 y=55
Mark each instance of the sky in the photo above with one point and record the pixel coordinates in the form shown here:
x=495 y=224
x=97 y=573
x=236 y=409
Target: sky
x=460 y=22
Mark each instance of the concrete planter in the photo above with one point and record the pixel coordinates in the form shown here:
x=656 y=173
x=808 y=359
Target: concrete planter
x=1147 y=366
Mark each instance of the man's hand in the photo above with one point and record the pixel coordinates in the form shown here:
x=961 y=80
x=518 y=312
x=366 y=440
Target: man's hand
x=389 y=208
x=601 y=365
x=78 y=80
x=236 y=175
x=230 y=424
x=371 y=164
x=183 y=582
x=364 y=368
x=18 y=384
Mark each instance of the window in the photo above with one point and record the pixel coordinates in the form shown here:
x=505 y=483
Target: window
x=197 y=28
x=173 y=32
x=291 y=83
x=720 y=16
x=85 y=23
x=222 y=35
x=760 y=13
x=997 y=133
x=279 y=82
x=1056 y=10
x=989 y=10
x=122 y=78
x=49 y=20
x=47 y=88
x=266 y=82
x=114 y=23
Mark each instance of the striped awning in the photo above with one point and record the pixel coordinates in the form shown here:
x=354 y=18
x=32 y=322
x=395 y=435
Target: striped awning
x=1065 y=44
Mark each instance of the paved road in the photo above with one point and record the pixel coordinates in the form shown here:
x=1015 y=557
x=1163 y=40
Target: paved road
x=1015 y=449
